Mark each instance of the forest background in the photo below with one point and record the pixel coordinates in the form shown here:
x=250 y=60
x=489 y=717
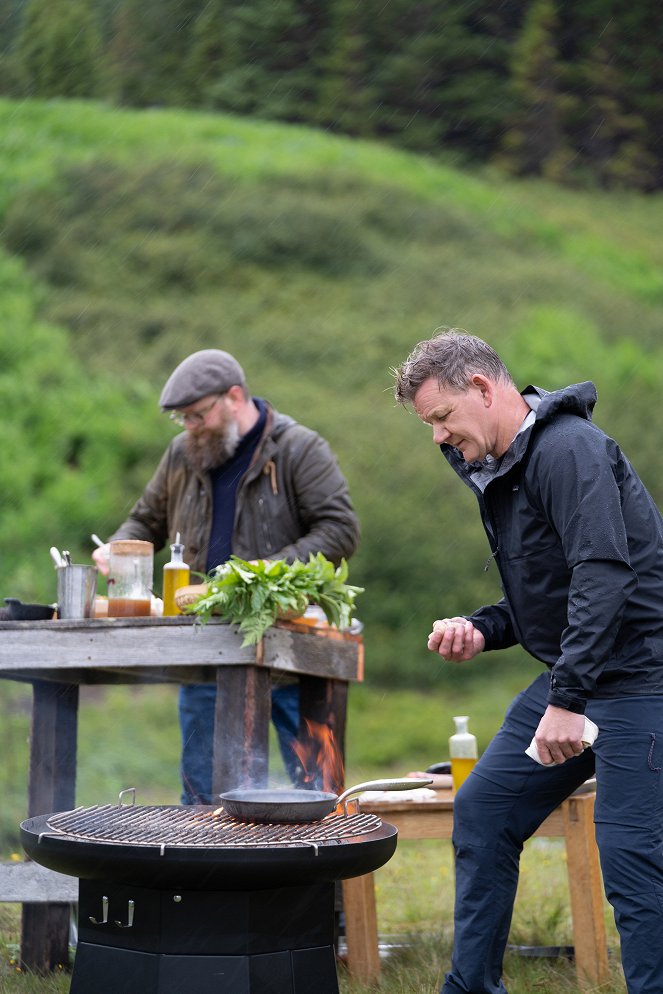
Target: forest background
x=568 y=89
x=133 y=235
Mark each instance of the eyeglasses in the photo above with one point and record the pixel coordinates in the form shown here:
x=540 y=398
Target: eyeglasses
x=184 y=418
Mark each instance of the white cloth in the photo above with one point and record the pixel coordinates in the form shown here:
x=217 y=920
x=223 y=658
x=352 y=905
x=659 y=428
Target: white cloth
x=416 y=794
x=589 y=735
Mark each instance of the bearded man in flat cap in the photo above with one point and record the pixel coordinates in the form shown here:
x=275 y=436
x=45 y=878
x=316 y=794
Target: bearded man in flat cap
x=240 y=479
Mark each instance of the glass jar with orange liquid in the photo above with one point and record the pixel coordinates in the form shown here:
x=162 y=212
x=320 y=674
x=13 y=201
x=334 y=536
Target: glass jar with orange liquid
x=130 y=578
x=463 y=751
x=176 y=574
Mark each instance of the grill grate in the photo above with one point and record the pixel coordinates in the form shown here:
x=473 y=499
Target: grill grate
x=162 y=826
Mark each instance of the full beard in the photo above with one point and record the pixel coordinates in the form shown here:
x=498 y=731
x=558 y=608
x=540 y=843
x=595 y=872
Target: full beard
x=208 y=449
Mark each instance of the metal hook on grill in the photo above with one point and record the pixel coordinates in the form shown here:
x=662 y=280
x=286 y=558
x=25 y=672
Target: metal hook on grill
x=128 y=790
x=104 y=912
x=130 y=916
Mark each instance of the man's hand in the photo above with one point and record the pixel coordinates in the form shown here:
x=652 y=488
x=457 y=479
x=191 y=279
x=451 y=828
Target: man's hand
x=456 y=639
x=101 y=557
x=559 y=735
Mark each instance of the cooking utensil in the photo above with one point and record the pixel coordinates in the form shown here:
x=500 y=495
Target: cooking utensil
x=443 y=767
x=56 y=557
x=18 y=611
x=292 y=806
x=77 y=586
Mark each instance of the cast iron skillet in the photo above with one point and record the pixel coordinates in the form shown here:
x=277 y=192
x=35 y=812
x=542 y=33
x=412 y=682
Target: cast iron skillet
x=293 y=806
x=18 y=611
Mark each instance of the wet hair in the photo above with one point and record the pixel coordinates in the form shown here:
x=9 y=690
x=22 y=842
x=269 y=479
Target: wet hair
x=452 y=358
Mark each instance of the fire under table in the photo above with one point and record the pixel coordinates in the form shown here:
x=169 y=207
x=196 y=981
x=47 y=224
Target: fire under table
x=58 y=656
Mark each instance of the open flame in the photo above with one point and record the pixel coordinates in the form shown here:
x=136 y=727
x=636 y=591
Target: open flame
x=320 y=758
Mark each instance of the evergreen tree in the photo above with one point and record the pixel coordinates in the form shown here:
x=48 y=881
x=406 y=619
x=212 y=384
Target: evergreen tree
x=208 y=55
x=267 y=57
x=535 y=143
x=442 y=74
x=639 y=31
x=611 y=52
x=58 y=50
x=346 y=99
x=10 y=22
x=148 y=50
x=614 y=139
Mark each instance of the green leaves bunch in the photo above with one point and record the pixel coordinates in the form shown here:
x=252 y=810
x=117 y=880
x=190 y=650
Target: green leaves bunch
x=254 y=594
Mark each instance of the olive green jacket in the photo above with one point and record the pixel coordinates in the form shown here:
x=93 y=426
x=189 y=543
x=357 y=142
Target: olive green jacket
x=292 y=501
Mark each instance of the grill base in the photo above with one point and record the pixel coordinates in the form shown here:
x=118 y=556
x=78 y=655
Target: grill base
x=276 y=941
x=107 y=971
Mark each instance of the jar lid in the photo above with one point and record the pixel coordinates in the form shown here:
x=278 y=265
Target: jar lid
x=131 y=547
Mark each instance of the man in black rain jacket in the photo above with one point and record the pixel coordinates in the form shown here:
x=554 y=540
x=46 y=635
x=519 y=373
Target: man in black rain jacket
x=578 y=542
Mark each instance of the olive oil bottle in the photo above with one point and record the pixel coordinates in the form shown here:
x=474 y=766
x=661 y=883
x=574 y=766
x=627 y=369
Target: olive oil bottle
x=176 y=574
x=463 y=751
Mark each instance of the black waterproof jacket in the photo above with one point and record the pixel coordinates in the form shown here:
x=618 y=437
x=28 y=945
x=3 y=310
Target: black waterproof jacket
x=578 y=542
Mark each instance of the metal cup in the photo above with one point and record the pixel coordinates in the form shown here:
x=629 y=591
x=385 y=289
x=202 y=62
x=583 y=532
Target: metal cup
x=77 y=587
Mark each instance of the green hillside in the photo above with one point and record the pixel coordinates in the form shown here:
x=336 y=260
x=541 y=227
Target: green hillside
x=130 y=238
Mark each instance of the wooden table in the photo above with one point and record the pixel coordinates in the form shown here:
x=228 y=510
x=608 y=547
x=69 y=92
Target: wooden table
x=433 y=819
x=58 y=656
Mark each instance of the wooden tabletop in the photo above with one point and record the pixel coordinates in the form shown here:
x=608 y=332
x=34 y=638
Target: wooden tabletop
x=181 y=650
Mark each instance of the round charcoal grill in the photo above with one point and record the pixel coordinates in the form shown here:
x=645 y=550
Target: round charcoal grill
x=173 y=898
x=173 y=846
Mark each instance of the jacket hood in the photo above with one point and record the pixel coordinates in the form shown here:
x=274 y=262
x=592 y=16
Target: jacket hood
x=578 y=399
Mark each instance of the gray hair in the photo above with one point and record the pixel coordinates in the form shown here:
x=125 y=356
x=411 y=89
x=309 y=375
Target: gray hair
x=452 y=358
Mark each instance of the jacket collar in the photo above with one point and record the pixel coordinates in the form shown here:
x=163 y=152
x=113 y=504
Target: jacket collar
x=578 y=399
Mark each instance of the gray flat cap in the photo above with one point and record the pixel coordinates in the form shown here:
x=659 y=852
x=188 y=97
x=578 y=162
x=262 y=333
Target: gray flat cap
x=200 y=374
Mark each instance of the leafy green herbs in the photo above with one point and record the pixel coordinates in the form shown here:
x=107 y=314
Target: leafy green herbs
x=255 y=594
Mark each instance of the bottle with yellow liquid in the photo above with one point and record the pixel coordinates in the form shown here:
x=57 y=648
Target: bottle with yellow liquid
x=463 y=751
x=176 y=574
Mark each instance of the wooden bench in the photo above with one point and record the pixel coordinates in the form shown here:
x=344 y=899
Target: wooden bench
x=29 y=883
x=433 y=819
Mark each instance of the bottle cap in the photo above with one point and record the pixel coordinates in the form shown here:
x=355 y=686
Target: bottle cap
x=177 y=547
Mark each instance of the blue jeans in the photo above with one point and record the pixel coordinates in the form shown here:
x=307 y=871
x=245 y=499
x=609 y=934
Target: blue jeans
x=506 y=798
x=197 y=703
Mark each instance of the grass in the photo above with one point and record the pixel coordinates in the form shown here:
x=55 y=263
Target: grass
x=128 y=736
x=40 y=135
x=415 y=899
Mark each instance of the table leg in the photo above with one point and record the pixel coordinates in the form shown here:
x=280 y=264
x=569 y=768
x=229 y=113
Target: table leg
x=51 y=787
x=361 y=929
x=241 y=728
x=53 y=741
x=586 y=891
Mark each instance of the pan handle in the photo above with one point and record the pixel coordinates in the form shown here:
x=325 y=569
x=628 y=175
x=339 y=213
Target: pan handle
x=405 y=783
